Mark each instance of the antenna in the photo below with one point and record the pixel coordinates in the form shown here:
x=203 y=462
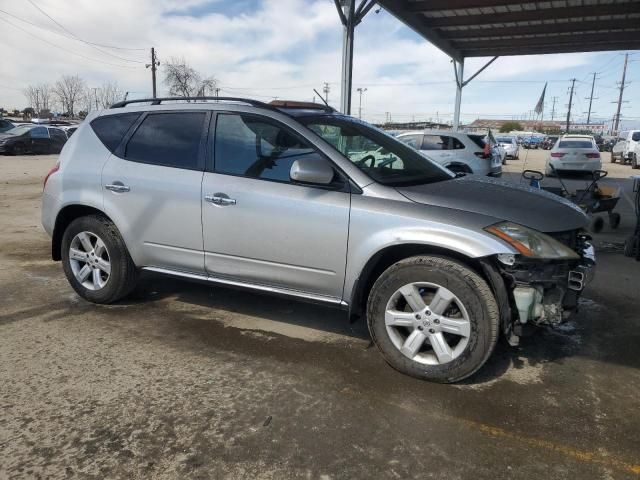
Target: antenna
x=321 y=97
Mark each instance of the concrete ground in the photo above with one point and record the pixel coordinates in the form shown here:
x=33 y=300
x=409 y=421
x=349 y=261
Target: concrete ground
x=188 y=381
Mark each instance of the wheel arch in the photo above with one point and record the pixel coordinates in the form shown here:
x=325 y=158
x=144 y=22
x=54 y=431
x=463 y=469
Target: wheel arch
x=67 y=215
x=383 y=259
x=389 y=255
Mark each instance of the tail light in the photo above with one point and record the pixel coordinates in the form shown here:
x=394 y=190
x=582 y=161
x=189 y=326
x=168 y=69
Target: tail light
x=558 y=155
x=55 y=168
x=593 y=155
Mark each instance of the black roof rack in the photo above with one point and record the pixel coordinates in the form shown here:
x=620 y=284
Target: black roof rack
x=158 y=101
x=274 y=105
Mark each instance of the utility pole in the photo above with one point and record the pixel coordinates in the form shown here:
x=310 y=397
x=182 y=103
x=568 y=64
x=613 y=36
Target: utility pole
x=154 y=64
x=593 y=84
x=553 y=108
x=624 y=75
x=573 y=83
x=326 y=89
x=95 y=96
x=360 y=91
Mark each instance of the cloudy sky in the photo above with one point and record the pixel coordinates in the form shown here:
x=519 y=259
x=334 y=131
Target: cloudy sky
x=285 y=48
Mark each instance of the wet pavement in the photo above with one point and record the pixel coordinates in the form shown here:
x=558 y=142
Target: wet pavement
x=183 y=380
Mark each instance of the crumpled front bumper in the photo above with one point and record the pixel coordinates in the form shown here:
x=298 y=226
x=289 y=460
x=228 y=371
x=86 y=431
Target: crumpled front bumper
x=547 y=293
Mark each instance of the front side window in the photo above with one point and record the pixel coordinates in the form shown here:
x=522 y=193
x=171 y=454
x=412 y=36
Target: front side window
x=168 y=139
x=412 y=140
x=255 y=147
x=635 y=136
x=385 y=159
x=39 y=132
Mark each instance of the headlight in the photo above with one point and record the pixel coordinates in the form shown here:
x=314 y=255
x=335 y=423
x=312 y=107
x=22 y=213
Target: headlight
x=531 y=243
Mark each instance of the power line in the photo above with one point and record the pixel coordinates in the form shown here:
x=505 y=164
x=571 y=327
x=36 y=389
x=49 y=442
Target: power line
x=73 y=35
x=78 y=38
x=65 y=36
x=65 y=49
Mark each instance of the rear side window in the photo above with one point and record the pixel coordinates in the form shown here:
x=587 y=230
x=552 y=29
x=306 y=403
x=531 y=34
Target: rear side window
x=575 y=144
x=168 y=139
x=110 y=129
x=478 y=140
x=57 y=134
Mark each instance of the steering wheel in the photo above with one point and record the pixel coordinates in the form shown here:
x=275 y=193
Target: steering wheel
x=387 y=162
x=367 y=158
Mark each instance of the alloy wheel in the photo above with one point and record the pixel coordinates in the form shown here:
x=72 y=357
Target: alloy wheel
x=89 y=260
x=427 y=323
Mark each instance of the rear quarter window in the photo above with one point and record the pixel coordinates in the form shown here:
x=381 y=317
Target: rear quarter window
x=111 y=128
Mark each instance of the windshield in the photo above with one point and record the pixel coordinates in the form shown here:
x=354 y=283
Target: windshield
x=20 y=130
x=382 y=157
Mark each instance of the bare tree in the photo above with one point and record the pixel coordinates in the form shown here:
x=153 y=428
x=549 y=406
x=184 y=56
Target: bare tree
x=69 y=91
x=108 y=94
x=38 y=96
x=185 y=81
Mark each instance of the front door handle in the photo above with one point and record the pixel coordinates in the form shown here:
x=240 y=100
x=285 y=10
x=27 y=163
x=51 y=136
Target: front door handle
x=117 y=187
x=220 y=199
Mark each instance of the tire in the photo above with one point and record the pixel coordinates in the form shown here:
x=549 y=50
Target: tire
x=442 y=278
x=614 y=220
x=19 y=149
x=596 y=224
x=629 y=247
x=122 y=276
x=613 y=158
x=634 y=161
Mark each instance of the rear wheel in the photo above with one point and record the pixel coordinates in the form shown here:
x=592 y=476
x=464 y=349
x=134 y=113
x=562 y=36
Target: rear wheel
x=634 y=161
x=433 y=318
x=96 y=261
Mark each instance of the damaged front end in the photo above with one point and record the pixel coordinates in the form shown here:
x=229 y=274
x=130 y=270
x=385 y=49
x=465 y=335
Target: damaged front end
x=543 y=289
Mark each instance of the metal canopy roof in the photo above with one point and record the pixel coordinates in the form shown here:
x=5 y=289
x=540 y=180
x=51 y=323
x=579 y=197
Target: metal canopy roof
x=487 y=28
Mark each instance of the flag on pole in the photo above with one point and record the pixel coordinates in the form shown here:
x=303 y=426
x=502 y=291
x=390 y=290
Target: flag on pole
x=540 y=105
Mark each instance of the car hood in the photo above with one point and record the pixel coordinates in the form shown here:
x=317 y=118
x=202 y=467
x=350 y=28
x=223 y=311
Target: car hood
x=4 y=135
x=533 y=208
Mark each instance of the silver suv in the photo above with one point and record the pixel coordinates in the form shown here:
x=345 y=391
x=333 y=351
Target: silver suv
x=299 y=200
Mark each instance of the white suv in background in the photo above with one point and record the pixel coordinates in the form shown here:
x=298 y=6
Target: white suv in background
x=574 y=153
x=457 y=151
x=626 y=147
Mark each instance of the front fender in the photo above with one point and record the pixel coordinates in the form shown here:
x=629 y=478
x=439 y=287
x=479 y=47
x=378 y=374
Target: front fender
x=406 y=223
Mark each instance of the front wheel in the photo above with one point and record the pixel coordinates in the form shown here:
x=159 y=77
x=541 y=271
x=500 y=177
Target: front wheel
x=433 y=318
x=96 y=261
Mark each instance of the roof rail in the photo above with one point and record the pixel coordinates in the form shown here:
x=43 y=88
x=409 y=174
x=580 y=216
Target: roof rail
x=158 y=101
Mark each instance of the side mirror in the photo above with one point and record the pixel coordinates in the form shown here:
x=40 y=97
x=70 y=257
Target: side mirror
x=312 y=170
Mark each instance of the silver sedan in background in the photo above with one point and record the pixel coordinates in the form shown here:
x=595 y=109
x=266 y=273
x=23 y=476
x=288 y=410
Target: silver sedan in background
x=510 y=144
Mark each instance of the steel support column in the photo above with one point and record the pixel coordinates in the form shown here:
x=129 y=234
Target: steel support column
x=458 y=68
x=346 y=80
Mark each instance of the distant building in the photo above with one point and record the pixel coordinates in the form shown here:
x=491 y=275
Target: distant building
x=403 y=126
x=482 y=125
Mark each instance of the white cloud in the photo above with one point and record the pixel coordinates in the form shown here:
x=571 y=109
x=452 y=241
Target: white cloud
x=261 y=52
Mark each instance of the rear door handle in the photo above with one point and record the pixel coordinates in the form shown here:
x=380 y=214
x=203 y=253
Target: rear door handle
x=220 y=199
x=117 y=187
